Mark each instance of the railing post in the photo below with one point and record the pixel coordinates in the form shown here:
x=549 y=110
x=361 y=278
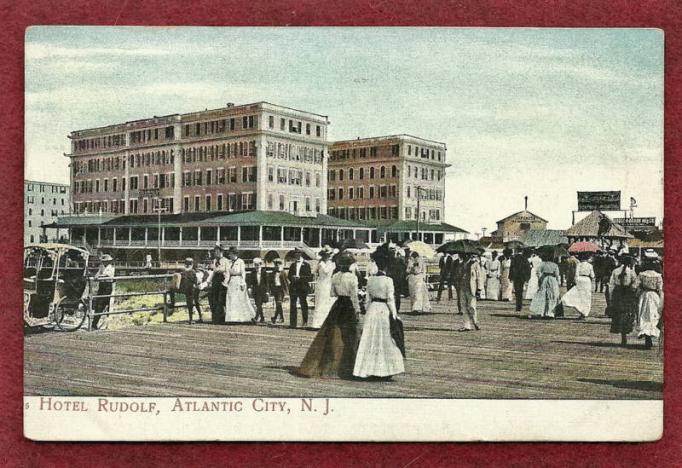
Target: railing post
x=91 y=314
x=165 y=307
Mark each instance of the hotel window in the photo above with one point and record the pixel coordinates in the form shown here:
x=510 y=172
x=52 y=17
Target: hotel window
x=185 y=204
x=307 y=204
x=219 y=202
x=350 y=174
x=332 y=175
x=340 y=174
x=361 y=192
x=373 y=151
x=282 y=125
x=220 y=176
x=340 y=194
x=197 y=202
x=133 y=183
x=209 y=176
x=395 y=150
x=270 y=201
x=432 y=174
x=317 y=205
x=96 y=188
x=281 y=200
x=271 y=174
x=350 y=193
x=371 y=173
x=394 y=171
x=197 y=177
x=233 y=175
x=439 y=156
x=318 y=131
x=362 y=173
x=271 y=121
x=383 y=192
x=144 y=205
x=245 y=174
x=307 y=179
x=408 y=212
x=317 y=179
x=331 y=194
x=245 y=122
x=208 y=203
x=252 y=121
x=383 y=172
x=371 y=192
x=307 y=129
x=409 y=150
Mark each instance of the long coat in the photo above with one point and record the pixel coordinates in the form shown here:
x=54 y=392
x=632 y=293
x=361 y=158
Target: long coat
x=520 y=268
x=259 y=283
x=301 y=285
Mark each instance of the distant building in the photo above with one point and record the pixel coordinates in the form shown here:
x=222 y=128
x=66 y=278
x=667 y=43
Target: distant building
x=395 y=183
x=514 y=226
x=590 y=229
x=43 y=203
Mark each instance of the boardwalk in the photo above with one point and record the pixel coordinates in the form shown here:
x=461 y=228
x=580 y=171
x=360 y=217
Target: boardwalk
x=511 y=357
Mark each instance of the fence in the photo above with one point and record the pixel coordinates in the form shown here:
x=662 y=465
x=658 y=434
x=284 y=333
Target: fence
x=110 y=310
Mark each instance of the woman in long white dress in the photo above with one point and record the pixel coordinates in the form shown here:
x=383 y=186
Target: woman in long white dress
x=378 y=354
x=506 y=287
x=650 y=306
x=533 y=282
x=492 y=281
x=419 y=293
x=547 y=298
x=323 y=288
x=238 y=307
x=580 y=295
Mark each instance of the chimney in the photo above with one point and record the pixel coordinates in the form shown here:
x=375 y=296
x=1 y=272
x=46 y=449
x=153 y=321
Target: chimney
x=230 y=104
x=525 y=201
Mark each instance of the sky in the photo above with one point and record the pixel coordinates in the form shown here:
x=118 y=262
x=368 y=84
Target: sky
x=536 y=112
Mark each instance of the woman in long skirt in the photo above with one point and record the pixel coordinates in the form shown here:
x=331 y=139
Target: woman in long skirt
x=546 y=298
x=492 y=281
x=378 y=354
x=238 y=307
x=506 y=287
x=650 y=306
x=533 y=282
x=332 y=352
x=419 y=293
x=580 y=295
x=323 y=288
x=623 y=301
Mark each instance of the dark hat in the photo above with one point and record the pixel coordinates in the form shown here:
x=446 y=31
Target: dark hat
x=345 y=259
x=232 y=250
x=189 y=261
x=278 y=261
x=106 y=258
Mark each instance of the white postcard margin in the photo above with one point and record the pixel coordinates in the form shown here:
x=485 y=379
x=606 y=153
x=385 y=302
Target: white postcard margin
x=52 y=418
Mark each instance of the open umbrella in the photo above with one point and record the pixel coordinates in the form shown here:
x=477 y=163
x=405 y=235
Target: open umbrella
x=583 y=247
x=461 y=246
x=553 y=251
x=353 y=244
x=514 y=244
x=422 y=248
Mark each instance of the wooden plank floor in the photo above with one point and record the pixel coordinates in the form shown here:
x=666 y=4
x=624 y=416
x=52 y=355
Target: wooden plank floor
x=511 y=357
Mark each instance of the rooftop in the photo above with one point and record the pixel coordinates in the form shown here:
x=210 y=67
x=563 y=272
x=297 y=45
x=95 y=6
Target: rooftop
x=589 y=227
x=540 y=237
x=523 y=214
x=402 y=136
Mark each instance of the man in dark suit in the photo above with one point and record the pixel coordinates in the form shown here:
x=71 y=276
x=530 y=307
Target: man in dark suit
x=299 y=277
x=446 y=263
x=218 y=286
x=279 y=287
x=189 y=287
x=457 y=273
x=259 y=282
x=519 y=273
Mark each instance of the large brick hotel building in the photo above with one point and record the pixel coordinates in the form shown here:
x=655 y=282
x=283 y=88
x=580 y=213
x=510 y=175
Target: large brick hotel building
x=255 y=176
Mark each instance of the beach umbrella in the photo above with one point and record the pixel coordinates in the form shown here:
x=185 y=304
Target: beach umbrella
x=514 y=244
x=583 y=247
x=353 y=244
x=461 y=246
x=422 y=248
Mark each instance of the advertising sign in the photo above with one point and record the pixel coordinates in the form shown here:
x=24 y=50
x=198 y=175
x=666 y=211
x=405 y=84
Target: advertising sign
x=603 y=201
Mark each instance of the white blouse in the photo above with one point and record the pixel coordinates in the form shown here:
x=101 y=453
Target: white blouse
x=381 y=287
x=346 y=284
x=236 y=271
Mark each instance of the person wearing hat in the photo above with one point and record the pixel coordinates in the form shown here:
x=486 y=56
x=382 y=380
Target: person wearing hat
x=579 y=296
x=259 y=282
x=279 y=287
x=323 y=286
x=519 y=273
x=416 y=281
x=534 y=281
x=649 y=321
x=473 y=281
x=189 y=287
x=299 y=276
x=218 y=293
x=332 y=352
x=105 y=286
x=505 y=281
x=445 y=265
x=623 y=301
x=238 y=307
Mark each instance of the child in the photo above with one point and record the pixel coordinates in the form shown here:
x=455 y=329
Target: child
x=279 y=286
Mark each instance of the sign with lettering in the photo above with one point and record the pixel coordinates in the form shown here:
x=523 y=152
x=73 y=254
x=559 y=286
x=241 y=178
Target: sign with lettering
x=603 y=201
x=636 y=222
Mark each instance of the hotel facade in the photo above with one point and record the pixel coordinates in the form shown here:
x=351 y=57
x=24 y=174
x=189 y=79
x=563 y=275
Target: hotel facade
x=44 y=202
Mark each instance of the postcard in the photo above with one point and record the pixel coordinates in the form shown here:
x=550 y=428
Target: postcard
x=343 y=234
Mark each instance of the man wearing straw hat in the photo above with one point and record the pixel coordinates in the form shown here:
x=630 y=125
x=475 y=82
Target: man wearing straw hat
x=188 y=286
x=105 y=286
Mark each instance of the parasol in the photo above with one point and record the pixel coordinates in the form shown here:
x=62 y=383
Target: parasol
x=353 y=244
x=514 y=244
x=583 y=247
x=462 y=246
x=422 y=248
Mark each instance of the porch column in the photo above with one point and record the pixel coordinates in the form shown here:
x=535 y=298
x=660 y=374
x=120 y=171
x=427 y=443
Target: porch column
x=99 y=237
x=239 y=235
x=319 y=237
x=114 y=242
x=130 y=235
x=198 y=235
x=260 y=236
x=281 y=236
x=180 y=237
x=301 y=236
x=217 y=239
x=163 y=235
